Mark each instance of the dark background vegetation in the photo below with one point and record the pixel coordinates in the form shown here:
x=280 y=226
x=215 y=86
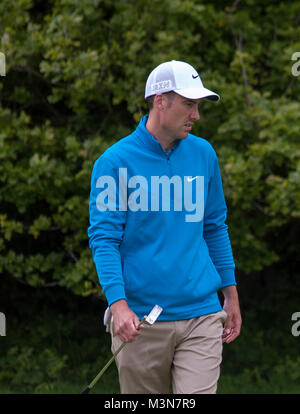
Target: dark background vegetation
x=74 y=84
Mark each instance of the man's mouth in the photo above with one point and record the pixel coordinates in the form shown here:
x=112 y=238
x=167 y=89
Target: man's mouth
x=189 y=126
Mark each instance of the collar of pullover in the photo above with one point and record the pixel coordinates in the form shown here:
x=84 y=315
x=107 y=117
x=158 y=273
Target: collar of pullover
x=149 y=141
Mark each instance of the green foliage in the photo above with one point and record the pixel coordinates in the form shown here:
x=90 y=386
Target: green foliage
x=33 y=373
x=283 y=378
x=75 y=79
x=56 y=341
x=53 y=337
x=74 y=84
x=51 y=353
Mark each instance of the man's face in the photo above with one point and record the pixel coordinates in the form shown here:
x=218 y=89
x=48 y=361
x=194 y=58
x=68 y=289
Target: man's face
x=179 y=115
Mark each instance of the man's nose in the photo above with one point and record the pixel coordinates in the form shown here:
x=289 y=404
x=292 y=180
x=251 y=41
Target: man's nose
x=195 y=114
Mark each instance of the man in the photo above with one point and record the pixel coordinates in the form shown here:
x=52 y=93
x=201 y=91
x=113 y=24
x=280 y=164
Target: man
x=158 y=236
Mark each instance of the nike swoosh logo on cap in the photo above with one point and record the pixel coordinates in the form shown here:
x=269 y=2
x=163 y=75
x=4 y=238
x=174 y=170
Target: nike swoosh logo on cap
x=194 y=77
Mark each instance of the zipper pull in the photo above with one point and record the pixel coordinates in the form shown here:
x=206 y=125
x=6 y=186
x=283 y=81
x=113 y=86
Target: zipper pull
x=167 y=152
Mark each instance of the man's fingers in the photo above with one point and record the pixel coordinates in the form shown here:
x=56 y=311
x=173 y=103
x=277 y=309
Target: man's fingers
x=231 y=330
x=125 y=321
x=226 y=334
x=128 y=330
x=230 y=333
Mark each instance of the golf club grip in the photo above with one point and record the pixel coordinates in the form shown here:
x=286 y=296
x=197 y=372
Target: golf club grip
x=86 y=390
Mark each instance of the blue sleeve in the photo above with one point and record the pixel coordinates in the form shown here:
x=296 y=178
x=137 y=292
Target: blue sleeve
x=106 y=230
x=215 y=229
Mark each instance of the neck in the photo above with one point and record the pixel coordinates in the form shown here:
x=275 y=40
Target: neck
x=154 y=128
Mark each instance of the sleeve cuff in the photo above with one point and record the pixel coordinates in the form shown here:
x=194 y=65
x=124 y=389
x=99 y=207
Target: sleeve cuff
x=114 y=293
x=227 y=276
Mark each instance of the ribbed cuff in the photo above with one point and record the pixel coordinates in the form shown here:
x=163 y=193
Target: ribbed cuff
x=227 y=276
x=114 y=293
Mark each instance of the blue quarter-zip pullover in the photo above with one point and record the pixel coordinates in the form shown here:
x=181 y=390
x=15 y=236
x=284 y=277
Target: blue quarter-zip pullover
x=157 y=226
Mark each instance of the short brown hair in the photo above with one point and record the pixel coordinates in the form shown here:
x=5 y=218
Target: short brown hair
x=150 y=99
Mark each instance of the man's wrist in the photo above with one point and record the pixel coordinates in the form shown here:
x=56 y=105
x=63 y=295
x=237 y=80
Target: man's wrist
x=230 y=292
x=118 y=305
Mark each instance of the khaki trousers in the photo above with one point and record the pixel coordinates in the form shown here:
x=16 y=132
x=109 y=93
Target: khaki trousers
x=182 y=357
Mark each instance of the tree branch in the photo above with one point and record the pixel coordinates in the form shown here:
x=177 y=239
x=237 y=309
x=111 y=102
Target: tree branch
x=238 y=43
x=72 y=254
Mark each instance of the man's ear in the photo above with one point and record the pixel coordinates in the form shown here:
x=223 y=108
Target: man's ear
x=160 y=101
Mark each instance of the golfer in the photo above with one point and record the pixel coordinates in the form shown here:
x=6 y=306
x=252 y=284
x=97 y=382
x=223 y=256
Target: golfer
x=158 y=235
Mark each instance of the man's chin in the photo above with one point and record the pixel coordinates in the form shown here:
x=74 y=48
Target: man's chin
x=185 y=134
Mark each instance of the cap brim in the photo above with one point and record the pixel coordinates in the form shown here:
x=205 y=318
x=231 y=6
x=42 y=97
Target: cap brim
x=198 y=93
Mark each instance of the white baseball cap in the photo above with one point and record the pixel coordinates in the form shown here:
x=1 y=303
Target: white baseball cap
x=179 y=77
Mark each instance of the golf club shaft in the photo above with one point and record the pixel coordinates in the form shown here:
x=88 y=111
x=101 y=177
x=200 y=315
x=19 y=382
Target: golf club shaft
x=106 y=366
x=90 y=386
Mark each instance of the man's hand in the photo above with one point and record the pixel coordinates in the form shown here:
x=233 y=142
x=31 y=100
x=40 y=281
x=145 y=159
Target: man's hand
x=125 y=321
x=232 y=326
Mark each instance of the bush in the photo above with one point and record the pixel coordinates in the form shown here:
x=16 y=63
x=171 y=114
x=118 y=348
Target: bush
x=74 y=85
x=75 y=76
